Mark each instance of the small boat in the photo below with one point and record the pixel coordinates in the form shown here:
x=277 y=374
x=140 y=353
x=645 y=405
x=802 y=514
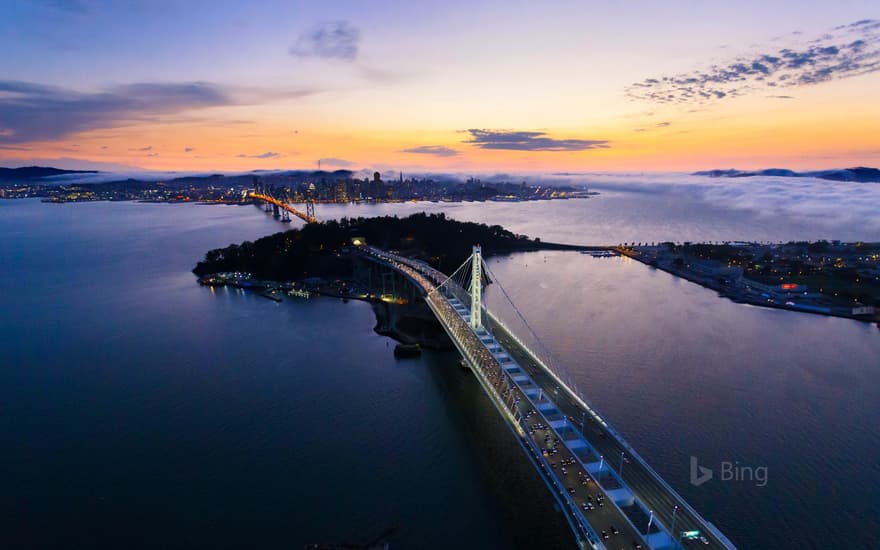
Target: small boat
x=463 y=364
x=407 y=350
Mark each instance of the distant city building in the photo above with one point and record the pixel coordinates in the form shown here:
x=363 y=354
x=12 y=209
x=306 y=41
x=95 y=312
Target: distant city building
x=341 y=192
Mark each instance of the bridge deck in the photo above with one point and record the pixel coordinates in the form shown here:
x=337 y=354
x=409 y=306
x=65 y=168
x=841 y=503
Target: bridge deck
x=286 y=206
x=559 y=456
x=569 y=442
x=635 y=475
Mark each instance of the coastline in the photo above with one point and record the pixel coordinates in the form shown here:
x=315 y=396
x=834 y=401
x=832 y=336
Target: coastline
x=727 y=291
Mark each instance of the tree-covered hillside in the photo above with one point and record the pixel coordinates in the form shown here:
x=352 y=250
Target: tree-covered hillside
x=315 y=249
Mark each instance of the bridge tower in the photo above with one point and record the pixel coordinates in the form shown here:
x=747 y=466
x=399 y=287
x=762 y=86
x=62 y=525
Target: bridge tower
x=267 y=206
x=476 y=287
x=284 y=197
x=310 y=203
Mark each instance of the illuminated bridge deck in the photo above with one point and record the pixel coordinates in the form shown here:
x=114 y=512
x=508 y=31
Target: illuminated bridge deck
x=580 y=457
x=284 y=206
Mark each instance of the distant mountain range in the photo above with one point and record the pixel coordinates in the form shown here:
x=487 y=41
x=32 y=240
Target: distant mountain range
x=858 y=174
x=34 y=174
x=38 y=175
x=30 y=173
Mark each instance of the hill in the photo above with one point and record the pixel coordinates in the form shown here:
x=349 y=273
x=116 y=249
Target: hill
x=30 y=173
x=315 y=249
x=860 y=174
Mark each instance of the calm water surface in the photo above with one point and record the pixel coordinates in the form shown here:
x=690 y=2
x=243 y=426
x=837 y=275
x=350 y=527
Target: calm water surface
x=140 y=410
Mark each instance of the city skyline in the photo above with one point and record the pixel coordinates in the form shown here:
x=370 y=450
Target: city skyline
x=443 y=87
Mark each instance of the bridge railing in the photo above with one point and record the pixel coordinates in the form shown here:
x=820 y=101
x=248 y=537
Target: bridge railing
x=461 y=294
x=286 y=206
x=474 y=351
x=620 y=439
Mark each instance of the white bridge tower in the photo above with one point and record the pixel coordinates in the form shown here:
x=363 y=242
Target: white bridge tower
x=476 y=287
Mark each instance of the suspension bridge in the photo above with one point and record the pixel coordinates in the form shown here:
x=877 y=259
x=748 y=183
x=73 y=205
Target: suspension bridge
x=610 y=496
x=277 y=201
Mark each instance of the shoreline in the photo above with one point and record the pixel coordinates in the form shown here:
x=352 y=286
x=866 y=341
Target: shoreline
x=737 y=298
x=402 y=321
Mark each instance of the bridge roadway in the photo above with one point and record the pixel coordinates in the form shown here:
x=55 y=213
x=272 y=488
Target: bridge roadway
x=272 y=200
x=576 y=451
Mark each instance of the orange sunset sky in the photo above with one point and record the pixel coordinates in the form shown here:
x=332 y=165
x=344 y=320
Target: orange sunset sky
x=442 y=86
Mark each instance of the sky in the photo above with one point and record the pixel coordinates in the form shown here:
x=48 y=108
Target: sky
x=469 y=87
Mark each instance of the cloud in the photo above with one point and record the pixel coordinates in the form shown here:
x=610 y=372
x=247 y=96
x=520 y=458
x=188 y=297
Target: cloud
x=332 y=161
x=329 y=40
x=530 y=141
x=188 y=149
x=266 y=155
x=35 y=112
x=147 y=148
x=759 y=208
x=436 y=150
x=851 y=50
x=112 y=170
x=664 y=124
x=780 y=96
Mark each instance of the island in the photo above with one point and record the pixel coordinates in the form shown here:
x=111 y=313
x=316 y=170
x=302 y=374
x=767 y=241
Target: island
x=322 y=258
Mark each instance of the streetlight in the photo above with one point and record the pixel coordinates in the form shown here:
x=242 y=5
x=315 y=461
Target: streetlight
x=620 y=471
x=674 y=511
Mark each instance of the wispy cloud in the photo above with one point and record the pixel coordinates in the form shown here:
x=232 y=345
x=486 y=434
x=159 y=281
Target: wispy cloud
x=36 y=112
x=654 y=127
x=847 y=51
x=328 y=40
x=188 y=149
x=333 y=161
x=147 y=148
x=435 y=150
x=530 y=141
x=266 y=155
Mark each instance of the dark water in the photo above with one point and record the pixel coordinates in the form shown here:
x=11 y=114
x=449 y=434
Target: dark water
x=140 y=410
x=681 y=373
